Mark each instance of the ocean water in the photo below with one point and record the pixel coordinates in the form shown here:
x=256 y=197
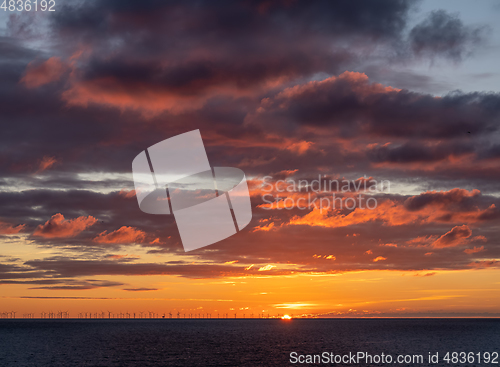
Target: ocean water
x=237 y=342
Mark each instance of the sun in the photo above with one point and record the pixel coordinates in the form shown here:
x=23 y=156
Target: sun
x=286 y=317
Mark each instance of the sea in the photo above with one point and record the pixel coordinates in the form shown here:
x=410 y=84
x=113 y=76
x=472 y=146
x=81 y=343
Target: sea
x=248 y=342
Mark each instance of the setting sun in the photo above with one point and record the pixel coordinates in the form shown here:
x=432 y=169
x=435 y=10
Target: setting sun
x=286 y=317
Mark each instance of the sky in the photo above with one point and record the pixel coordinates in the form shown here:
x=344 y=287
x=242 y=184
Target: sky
x=398 y=99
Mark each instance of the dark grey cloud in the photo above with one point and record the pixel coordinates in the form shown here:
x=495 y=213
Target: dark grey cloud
x=419 y=152
x=456 y=199
x=234 y=19
x=140 y=289
x=444 y=34
x=358 y=107
x=81 y=285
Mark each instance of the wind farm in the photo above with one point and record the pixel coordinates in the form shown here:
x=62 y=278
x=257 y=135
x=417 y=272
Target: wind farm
x=138 y=315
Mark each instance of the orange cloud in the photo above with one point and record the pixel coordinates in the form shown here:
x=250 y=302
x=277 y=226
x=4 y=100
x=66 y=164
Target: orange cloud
x=265 y=228
x=122 y=235
x=140 y=96
x=379 y=258
x=266 y=268
x=127 y=193
x=388 y=211
x=58 y=227
x=421 y=241
x=110 y=92
x=47 y=72
x=480 y=238
x=428 y=207
x=358 y=81
x=485 y=264
x=454 y=237
x=6 y=228
x=474 y=250
x=46 y=163
x=300 y=147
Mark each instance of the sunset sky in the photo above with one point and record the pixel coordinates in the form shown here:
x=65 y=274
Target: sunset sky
x=405 y=92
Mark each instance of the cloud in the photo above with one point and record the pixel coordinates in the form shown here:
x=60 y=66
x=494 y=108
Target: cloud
x=454 y=237
x=46 y=163
x=426 y=153
x=474 y=250
x=357 y=107
x=451 y=206
x=82 y=285
x=266 y=268
x=38 y=74
x=65 y=267
x=265 y=228
x=426 y=274
x=267 y=82
x=444 y=34
x=159 y=57
x=140 y=289
x=58 y=227
x=457 y=198
x=122 y=235
x=485 y=264
x=127 y=193
x=6 y=228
